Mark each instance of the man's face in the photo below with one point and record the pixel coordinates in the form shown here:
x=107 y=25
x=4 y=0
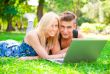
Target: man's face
x=66 y=28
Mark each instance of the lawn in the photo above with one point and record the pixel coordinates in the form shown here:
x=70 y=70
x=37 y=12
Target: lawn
x=15 y=66
x=12 y=35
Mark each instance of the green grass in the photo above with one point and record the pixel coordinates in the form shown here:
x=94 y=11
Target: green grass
x=15 y=66
x=12 y=35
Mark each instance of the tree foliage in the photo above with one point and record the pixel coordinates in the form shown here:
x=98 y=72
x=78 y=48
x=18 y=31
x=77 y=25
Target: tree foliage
x=40 y=9
x=86 y=10
x=97 y=10
x=106 y=9
x=9 y=9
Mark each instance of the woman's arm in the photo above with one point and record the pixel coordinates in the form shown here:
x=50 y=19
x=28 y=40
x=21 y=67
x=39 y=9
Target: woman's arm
x=33 y=41
x=56 y=48
x=29 y=58
x=63 y=51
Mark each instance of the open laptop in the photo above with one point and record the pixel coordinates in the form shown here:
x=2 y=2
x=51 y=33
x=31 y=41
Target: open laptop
x=82 y=50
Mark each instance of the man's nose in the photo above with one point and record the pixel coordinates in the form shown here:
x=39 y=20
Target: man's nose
x=65 y=30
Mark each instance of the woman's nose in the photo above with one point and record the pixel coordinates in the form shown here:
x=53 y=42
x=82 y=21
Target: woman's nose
x=54 y=28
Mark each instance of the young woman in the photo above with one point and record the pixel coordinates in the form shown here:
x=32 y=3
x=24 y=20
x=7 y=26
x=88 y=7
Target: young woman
x=37 y=43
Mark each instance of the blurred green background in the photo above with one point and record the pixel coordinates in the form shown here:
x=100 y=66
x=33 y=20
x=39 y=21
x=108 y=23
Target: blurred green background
x=88 y=11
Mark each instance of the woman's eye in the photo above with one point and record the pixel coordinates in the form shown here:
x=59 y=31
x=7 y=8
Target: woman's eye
x=56 y=25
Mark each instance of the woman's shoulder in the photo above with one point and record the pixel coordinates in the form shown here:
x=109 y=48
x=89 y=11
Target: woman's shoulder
x=30 y=36
x=32 y=33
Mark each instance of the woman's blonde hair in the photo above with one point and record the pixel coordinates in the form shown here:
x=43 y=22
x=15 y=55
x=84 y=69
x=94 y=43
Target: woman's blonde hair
x=42 y=28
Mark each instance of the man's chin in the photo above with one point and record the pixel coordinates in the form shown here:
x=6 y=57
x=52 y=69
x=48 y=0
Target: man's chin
x=65 y=37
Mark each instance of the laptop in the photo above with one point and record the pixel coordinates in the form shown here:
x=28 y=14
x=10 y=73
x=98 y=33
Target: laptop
x=86 y=50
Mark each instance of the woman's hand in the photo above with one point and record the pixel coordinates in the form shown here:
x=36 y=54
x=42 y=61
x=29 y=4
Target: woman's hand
x=23 y=58
x=29 y=58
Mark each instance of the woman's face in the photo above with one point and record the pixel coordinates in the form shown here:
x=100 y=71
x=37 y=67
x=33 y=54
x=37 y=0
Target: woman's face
x=53 y=27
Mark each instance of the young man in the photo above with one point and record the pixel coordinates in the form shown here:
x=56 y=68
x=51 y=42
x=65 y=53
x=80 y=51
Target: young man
x=68 y=30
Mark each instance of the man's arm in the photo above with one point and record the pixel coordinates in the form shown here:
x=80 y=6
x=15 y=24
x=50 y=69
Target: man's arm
x=80 y=34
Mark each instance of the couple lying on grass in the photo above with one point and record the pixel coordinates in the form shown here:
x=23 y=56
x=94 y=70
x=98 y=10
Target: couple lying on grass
x=50 y=39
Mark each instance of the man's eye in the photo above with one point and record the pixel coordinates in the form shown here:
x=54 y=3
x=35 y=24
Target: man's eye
x=69 y=27
x=62 y=26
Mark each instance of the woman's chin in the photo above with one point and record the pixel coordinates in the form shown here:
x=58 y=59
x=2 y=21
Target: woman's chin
x=52 y=35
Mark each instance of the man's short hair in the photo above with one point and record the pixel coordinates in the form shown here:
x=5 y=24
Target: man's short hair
x=68 y=16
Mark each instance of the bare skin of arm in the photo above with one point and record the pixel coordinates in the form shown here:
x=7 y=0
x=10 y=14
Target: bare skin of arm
x=32 y=40
x=80 y=35
x=56 y=48
x=29 y=58
x=63 y=51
